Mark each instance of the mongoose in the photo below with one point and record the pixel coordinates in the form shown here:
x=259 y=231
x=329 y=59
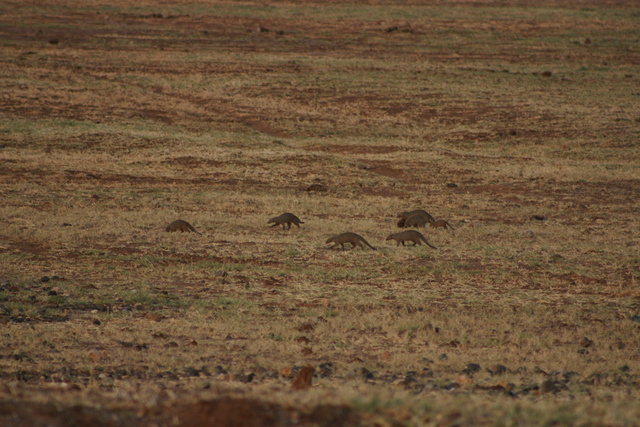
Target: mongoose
x=441 y=223
x=353 y=238
x=304 y=378
x=416 y=220
x=412 y=235
x=285 y=218
x=180 y=225
x=420 y=212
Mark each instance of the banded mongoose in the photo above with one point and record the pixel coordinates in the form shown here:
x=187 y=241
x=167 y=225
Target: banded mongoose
x=419 y=213
x=416 y=220
x=410 y=235
x=441 y=223
x=286 y=218
x=348 y=237
x=182 y=226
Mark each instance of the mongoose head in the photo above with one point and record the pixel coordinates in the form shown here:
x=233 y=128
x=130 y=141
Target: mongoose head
x=389 y=237
x=329 y=240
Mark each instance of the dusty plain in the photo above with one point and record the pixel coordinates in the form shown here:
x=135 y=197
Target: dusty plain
x=518 y=122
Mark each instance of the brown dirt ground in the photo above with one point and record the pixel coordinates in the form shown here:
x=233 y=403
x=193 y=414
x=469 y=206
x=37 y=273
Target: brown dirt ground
x=333 y=39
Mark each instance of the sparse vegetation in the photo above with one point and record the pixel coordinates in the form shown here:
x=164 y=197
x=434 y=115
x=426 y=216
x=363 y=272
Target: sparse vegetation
x=518 y=123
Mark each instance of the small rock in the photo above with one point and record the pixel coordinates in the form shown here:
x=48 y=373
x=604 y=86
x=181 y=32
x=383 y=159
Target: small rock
x=585 y=342
x=97 y=322
x=366 y=374
x=472 y=368
x=549 y=386
x=326 y=369
x=547 y=73
x=539 y=217
x=44 y=279
x=452 y=185
x=246 y=378
x=443 y=356
x=497 y=370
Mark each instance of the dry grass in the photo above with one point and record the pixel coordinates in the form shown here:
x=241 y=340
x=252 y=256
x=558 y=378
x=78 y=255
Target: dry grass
x=518 y=124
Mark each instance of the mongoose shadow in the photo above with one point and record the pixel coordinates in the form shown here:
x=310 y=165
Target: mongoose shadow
x=409 y=236
x=348 y=237
x=285 y=219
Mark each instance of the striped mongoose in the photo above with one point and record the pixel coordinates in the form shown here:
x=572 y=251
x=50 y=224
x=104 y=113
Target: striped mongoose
x=410 y=235
x=180 y=225
x=441 y=223
x=285 y=218
x=424 y=216
x=348 y=237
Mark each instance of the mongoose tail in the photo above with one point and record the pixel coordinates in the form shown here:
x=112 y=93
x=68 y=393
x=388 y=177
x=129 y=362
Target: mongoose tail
x=425 y=240
x=182 y=226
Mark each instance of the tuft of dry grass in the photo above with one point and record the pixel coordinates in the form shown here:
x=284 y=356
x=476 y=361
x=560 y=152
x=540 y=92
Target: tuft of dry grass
x=518 y=124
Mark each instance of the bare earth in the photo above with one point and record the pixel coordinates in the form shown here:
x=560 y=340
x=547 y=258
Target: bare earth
x=518 y=122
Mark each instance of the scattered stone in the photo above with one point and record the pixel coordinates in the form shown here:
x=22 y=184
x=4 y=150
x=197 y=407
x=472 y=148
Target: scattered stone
x=191 y=372
x=366 y=374
x=326 y=369
x=45 y=279
x=452 y=185
x=550 y=386
x=547 y=73
x=66 y=224
x=443 y=356
x=471 y=368
x=97 y=322
x=539 y=217
x=246 y=378
x=409 y=379
x=497 y=370
x=635 y=318
x=585 y=342
x=426 y=373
